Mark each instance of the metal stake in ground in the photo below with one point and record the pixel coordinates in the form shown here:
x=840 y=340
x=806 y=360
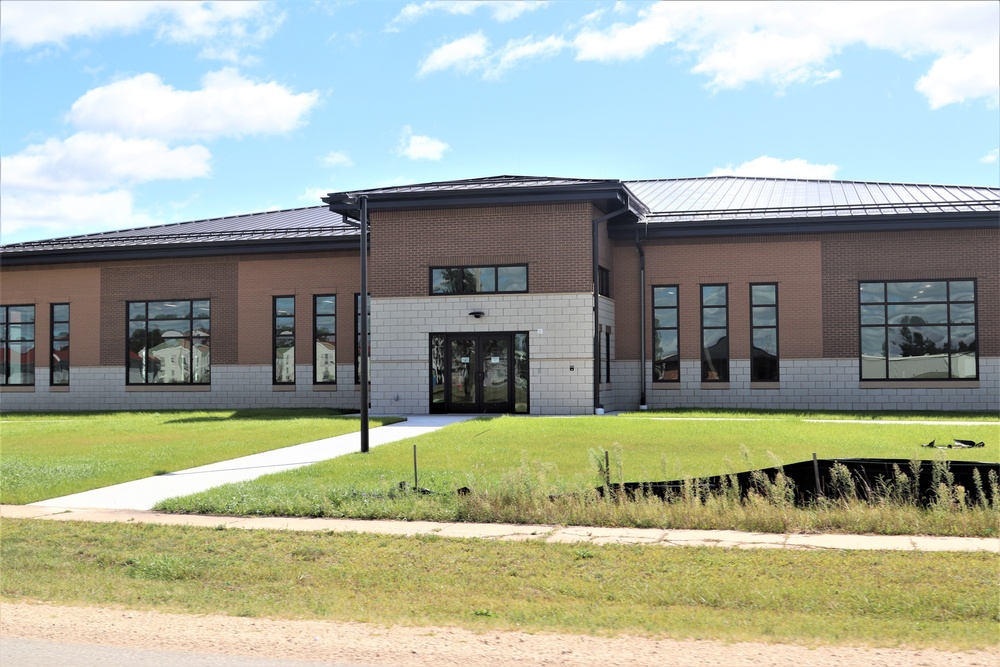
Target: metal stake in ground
x=415 y=484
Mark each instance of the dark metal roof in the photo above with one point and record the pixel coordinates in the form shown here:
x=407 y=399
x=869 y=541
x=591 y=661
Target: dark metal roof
x=313 y=227
x=713 y=205
x=742 y=198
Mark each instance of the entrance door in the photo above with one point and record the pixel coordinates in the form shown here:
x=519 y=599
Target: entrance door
x=479 y=373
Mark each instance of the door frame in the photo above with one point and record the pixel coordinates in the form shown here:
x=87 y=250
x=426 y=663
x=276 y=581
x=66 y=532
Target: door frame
x=479 y=407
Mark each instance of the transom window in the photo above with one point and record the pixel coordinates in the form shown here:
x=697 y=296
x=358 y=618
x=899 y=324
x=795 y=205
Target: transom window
x=666 y=353
x=17 y=341
x=479 y=279
x=918 y=330
x=168 y=342
x=715 y=333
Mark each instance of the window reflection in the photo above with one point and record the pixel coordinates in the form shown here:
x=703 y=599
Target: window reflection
x=929 y=332
x=666 y=359
x=165 y=345
x=17 y=345
x=325 y=339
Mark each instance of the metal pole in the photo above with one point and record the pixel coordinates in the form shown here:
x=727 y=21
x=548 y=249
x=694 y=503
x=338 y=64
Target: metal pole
x=363 y=315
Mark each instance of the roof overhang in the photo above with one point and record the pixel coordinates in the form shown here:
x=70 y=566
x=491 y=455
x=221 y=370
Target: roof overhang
x=665 y=228
x=606 y=196
x=118 y=253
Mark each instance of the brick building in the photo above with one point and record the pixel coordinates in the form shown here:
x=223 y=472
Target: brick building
x=708 y=292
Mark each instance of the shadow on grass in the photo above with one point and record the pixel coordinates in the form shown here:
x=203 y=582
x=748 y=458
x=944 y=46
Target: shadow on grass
x=266 y=414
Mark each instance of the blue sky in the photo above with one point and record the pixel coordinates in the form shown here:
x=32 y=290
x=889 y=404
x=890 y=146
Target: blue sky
x=127 y=114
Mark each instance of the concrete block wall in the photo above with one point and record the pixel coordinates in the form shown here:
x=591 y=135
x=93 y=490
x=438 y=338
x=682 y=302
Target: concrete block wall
x=806 y=384
x=559 y=327
x=233 y=387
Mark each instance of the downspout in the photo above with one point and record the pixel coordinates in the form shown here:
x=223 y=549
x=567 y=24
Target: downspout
x=642 y=323
x=598 y=407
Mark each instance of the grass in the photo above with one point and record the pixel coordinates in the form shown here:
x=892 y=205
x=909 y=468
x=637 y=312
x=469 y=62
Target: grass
x=528 y=470
x=47 y=455
x=943 y=600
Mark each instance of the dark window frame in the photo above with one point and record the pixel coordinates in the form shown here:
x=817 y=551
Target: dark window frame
x=6 y=341
x=316 y=337
x=192 y=318
x=721 y=371
x=467 y=289
x=604 y=282
x=53 y=364
x=607 y=355
x=755 y=327
x=676 y=329
x=275 y=337
x=885 y=326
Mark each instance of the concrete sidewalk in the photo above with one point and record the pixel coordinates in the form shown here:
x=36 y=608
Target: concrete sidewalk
x=540 y=533
x=143 y=494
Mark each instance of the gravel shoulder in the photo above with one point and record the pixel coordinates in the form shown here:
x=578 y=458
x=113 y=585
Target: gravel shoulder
x=358 y=643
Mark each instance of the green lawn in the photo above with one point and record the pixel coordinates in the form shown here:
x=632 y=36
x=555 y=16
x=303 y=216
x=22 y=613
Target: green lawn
x=945 y=600
x=514 y=465
x=47 y=455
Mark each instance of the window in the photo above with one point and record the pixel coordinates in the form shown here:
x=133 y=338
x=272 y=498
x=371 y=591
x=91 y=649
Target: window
x=17 y=338
x=168 y=342
x=357 y=338
x=715 y=333
x=325 y=339
x=666 y=355
x=607 y=355
x=603 y=282
x=479 y=279
x=918 y=330
x=59 y=360
x=764 y=332
x=284 y=340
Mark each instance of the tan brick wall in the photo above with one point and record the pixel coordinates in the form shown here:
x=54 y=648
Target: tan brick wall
x=554 y=240
x=850 y=258
x=263 y=277
x=42 y=286
x=792 y=263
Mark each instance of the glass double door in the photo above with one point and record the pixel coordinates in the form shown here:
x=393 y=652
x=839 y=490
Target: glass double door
x=480 y=373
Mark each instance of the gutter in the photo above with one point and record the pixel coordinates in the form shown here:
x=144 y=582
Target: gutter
x=642 y=322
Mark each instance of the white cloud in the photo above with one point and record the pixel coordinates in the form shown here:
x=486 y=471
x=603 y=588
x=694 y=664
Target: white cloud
x=336 y=159
x=420 y=147
x=313 y=196
x=462 y=54
x=784 y=43
x=36 y=215
x=991 y=157
x=769 y=167
x=502 y=10
x=473 y=54
x=224 y=28
x=87 y=161
x=226 y=105
x=958 y=77
x=515 y=51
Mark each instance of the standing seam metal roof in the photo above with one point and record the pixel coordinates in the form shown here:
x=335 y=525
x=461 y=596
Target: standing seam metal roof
x=668 y=200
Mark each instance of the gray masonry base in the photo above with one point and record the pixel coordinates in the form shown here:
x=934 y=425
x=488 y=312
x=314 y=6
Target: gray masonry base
x=820 y=384
x=103 y=388
x=806 y=384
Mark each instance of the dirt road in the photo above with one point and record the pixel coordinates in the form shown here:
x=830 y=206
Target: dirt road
x=357 y=643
